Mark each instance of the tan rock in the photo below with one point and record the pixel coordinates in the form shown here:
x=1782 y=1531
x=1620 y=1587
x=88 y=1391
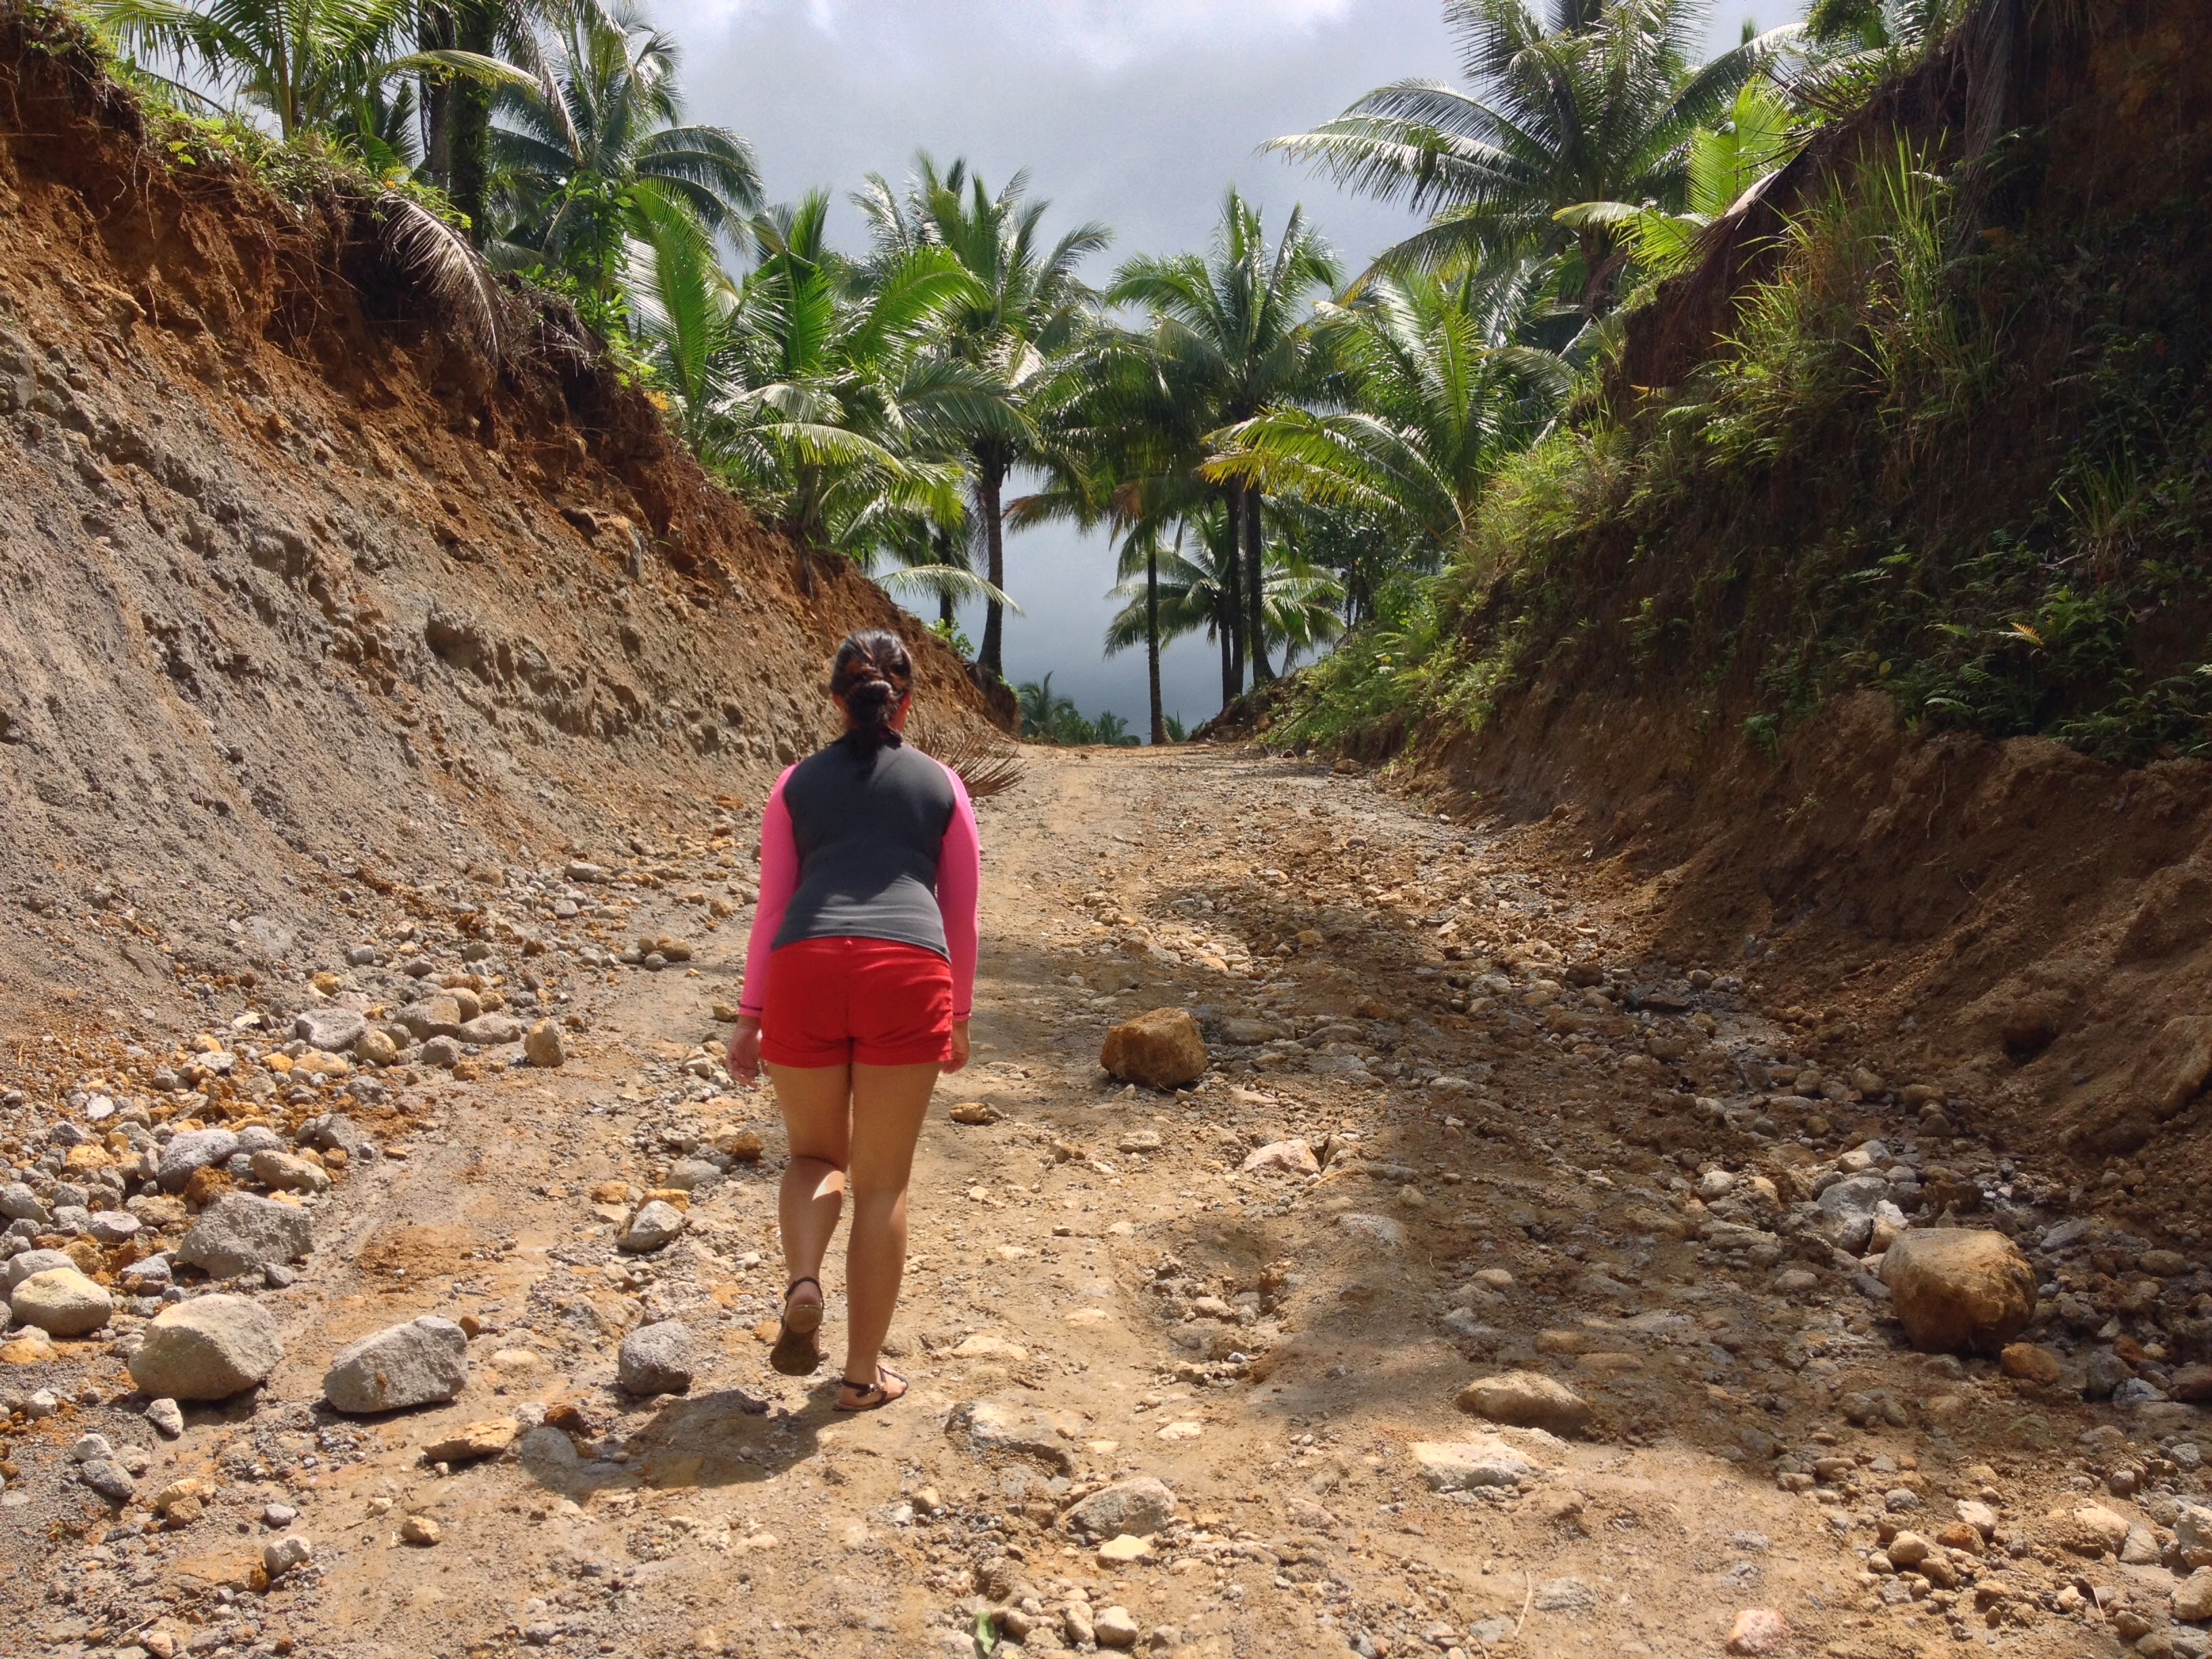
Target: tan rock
x=421 y=1530
x=1759 y=1631
x=1161 y=1049
x=975 y=1113
x=2192 y=1597
x=477 y=1440
x=543 y=1045
x=2096 y=1528
x=2030 y=1362
x=1526 y=1400
x=62 y=1302
x=1957 y=1290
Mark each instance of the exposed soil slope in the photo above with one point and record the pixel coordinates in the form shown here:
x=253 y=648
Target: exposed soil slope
x=296 y=582
x=1783 y=687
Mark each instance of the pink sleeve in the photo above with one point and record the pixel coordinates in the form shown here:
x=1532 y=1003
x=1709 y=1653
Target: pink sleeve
x=778 y=879
x=960 y=893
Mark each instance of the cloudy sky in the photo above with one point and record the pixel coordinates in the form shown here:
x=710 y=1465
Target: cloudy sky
x=1138 y=114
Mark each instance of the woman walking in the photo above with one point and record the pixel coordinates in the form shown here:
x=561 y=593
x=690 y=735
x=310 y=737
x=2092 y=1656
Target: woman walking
x=860 y=977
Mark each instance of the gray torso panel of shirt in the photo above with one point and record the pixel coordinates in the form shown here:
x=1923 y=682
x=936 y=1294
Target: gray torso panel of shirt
x=869 y=829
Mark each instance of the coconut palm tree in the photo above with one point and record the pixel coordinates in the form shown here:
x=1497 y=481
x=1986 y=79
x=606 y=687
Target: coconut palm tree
x=1029 y=307
x=1172 y=588
x=586 y=152
x=1595 y=102
x=1725 y=161
x=1232 y=334
x=1438 y=388
x=326 y=67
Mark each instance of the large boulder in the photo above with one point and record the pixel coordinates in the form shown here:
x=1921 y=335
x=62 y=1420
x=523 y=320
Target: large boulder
x=333 y=1030
x=1957 y=1290
x=188 y=1153
x=423 y=1361
x=208 y=1348
x=240 y=1234
x=656 y=1359
x=62 y=1302
x=1527 y=1400
x=1163 y=1049
x=1139 y=1508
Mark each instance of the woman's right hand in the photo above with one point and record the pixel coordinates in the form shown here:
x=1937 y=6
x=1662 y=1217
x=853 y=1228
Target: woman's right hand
x=745 y=1050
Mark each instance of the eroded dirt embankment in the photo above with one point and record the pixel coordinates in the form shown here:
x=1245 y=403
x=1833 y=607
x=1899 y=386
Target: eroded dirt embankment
x=299 y=582
x=2026 y=924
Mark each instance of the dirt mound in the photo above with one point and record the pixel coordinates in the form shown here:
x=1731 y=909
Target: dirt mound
x=306 y=592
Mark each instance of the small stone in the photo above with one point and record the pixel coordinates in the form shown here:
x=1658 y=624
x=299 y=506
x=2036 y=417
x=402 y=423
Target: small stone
x=422 y=1531
x=1716 y=1183
x=62 y=1302
x=285 y=1173
x=1283 y=1157
x=420 y=1363
x=490 y=1031
x=166 y=1417
x=477 y=1440
x=1909 y=1549
x=994 y=1426
x=281 y=1555
x=657 y=1360
x=208 y=1348
x=109 y=1479
x=376 y=1047
x=1978 y=1516
x=975 y=1113
x=91 y=1446
x=1759 y=1631
x=1141 y=1506
x=1957 y=1290
x=1114 y=1627
x=656 y=1222
x=2192 y=1597
x=1470 y=1464
x=543 y=1046
x=1526 y=1400
x=1161 y=1049
x=442 y=1052
x=240 y=1234
x=1383 y=1232
x=333 y=1030
x=2100 y=1528
x=1124 y=1547
x=187 y=1154
x=1139 y=1140
x=2032 y=1363
x=279 y=1516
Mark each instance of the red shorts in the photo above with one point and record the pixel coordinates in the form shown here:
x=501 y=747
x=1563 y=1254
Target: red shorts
x=859 y=1001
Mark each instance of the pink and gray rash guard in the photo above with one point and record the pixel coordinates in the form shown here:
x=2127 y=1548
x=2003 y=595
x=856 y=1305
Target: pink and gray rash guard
x=880 y=846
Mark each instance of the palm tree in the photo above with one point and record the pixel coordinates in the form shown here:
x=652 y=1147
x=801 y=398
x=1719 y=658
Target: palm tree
x=1185 y=588
x=1595 y=103
x=1438 y=390
x=588 y=153
x=1045 y=713
x=316 y=66
x=1724 y=162
x=821 y=392
x=1231 y=331
x=1029 y=307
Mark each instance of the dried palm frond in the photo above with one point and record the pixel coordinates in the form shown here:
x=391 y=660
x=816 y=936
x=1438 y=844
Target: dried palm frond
x=440 y=257
x=986 y=763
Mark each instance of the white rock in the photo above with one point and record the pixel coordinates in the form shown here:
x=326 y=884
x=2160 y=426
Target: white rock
x=1283 y=1157
x=208 y=1348
x=240 y=1234
x=62 y=1302
x=1466 y=1465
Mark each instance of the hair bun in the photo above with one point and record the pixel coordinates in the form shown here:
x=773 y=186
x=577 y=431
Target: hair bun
x=874 y=676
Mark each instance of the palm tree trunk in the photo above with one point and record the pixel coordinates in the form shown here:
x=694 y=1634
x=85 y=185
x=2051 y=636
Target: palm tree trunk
x=1152 y=638
x=1232 y=591
x=1232 y=682
x=1255 y=616
x=990 y=475
x=470 y=166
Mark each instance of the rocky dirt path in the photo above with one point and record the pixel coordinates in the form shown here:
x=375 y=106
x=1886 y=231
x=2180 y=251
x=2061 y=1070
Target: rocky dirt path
x=1188 y=1368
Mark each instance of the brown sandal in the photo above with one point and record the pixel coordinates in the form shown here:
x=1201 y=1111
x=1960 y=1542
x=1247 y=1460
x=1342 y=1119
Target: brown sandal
x=796 y=1352
x=873 y=1396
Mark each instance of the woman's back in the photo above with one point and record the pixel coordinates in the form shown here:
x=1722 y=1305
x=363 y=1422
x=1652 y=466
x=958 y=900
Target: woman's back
x=869 y=829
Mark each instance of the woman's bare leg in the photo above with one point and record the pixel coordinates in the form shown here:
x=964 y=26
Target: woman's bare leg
x=889 y=1104
x=817 y=1120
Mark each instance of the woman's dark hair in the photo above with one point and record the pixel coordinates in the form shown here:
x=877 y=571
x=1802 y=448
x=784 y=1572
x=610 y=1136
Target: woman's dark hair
x=873 y=677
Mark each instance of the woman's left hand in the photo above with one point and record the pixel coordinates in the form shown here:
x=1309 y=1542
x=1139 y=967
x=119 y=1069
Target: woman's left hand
x=959 y=1047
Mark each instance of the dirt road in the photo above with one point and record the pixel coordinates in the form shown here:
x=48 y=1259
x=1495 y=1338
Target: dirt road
x=1521 y=1150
